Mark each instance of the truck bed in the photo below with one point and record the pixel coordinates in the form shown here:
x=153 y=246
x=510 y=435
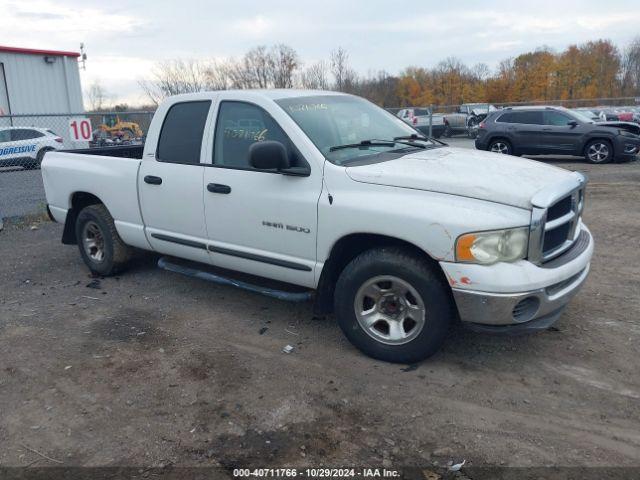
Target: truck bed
x=120 y=151
x=113 y=179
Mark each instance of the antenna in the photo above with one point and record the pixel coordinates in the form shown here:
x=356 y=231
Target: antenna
x=83 y=57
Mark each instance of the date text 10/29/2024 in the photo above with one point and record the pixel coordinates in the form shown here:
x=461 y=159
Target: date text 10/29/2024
x=316 y=473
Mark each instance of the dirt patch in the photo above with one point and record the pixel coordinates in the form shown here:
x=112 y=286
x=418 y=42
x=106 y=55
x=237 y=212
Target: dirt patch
x=157 y=369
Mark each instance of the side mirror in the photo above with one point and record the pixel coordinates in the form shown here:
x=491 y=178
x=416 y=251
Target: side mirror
x=268 y=155
x=572 y=123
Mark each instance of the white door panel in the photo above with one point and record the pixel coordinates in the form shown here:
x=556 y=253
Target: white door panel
x=266 y=225
x=174 y=209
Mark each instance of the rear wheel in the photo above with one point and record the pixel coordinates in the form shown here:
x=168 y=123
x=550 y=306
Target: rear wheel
x=393 y=305
x=101 y=248
x=598 y=151
x=500 y=145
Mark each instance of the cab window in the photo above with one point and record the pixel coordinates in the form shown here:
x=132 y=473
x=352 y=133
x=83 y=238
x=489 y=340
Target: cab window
x=239 y=126
x=5 y=136
x=181 y=134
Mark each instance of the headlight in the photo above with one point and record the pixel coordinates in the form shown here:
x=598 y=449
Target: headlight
x=490 y=247
x=626 y=133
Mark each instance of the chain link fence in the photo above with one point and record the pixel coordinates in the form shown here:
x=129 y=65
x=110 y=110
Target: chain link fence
x=24 y=139
x=464 y=119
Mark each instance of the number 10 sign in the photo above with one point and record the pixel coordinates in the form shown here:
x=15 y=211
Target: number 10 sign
x=80 y=129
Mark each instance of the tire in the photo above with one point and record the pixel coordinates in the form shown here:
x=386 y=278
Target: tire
x=423 y=294
x=101 y=248
x=500 y=145
x=598 y=152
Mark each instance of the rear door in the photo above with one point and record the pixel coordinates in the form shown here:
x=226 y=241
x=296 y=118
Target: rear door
x=523 y=129
x=27 y=142
x=170 y=184
x=557 y=135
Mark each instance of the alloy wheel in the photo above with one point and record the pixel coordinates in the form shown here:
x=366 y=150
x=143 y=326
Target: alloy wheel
x=500 y=147
x=598 y=152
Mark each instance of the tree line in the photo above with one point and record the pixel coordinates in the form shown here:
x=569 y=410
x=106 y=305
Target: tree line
x=595 y=69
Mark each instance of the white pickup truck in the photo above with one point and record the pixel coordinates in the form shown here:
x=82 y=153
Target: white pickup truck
x=398 y=235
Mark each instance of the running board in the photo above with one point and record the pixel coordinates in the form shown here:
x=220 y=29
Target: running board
x=167 y=264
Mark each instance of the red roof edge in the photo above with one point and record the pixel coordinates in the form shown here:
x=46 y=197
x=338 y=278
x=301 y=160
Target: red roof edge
x=35 y=51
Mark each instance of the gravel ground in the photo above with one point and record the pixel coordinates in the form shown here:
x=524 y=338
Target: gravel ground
x=152 y=368
x=21 y=192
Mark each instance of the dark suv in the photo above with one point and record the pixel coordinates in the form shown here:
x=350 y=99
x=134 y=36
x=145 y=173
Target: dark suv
x=557 y=130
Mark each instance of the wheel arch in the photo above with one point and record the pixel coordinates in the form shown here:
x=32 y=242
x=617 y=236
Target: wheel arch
x=77 y=201
x=346 y=249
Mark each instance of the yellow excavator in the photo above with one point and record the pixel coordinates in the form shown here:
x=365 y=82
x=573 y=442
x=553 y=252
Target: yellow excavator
x=113 y=127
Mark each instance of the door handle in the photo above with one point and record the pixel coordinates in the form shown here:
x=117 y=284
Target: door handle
x=218 y=188
x=547 y=129
x=151 y=180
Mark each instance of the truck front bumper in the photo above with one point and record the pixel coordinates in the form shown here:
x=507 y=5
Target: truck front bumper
x=492 y=298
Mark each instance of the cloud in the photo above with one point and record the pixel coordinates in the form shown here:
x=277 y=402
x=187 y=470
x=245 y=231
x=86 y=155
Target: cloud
x=33 y=21
x=256 y=26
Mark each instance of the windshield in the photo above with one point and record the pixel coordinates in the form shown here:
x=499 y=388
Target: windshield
x=582 y=115
x=337 y=120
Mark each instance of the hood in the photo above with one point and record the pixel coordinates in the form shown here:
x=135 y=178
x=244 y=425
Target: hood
x=628 y=126
x=459 y=171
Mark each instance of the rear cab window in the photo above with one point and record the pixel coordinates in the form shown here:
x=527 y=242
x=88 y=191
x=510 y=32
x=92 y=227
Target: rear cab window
x=181 y=134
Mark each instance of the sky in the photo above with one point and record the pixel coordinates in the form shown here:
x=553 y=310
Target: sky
x=123 y=40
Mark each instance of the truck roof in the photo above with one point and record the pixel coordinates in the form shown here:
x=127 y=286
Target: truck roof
x=270 y=93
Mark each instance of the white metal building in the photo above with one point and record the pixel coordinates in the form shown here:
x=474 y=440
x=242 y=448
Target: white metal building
x=39 y=82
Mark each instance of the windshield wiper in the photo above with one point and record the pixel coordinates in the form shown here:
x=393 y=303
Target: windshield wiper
x=413 y=136
x=364 y=144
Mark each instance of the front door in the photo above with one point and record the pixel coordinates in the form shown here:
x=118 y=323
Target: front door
x=259 y=222
x=557 y=135
x=170 y=184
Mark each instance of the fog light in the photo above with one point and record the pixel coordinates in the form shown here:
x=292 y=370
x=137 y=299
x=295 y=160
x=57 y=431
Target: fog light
x=525 y=309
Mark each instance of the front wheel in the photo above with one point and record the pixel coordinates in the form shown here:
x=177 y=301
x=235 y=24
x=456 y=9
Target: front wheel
x=598 y=151
x=393 y=305
x=102 y=249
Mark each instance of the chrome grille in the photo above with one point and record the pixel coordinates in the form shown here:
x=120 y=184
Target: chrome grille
x=555 y=219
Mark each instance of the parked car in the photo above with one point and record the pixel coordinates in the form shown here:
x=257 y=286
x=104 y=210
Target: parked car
x=593 y=116
x=418 y=118
x=326 y=193
x=25 y=146
x=467 y=119
x=606 y=114
x=557 y=130
x=624 y=114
